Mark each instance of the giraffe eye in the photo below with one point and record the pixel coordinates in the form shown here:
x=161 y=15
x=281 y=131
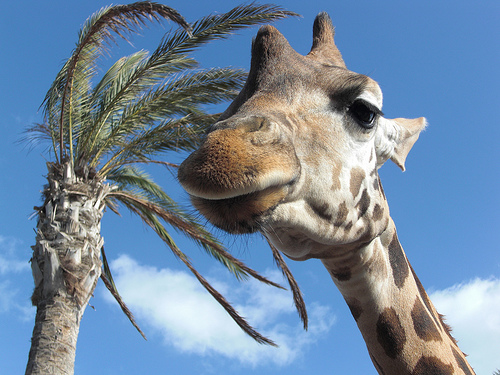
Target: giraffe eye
x=364 y=113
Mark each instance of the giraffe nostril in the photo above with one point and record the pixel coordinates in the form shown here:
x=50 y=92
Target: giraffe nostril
x=254 y=124
x=265 y=124
x=247 y=124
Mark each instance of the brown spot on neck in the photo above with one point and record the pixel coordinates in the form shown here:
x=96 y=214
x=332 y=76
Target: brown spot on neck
x=438 y=318
x=432 y=366
x=397 y=259
x=390 y=333
x=336 y=184
x=364 y=203
x=378 y=212
x=342 y=274
x=323 y=211
x=342 y=213
x=348 y=227
x=423 y=323
x=461 y=362
x=381 y=189
x=357 y=177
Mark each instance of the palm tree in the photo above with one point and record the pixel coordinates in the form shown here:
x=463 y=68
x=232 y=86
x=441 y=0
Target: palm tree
x=99 y=134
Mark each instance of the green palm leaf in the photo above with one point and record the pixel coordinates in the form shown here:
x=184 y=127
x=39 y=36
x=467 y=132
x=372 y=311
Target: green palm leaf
x=70 y=90
x=131 y=135
x=151 y=219
x=144 y=105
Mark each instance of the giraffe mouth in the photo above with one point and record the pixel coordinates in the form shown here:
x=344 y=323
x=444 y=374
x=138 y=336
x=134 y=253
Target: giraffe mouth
x=242 y=213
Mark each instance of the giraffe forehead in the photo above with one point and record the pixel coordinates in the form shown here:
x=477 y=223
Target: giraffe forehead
x=295 y=82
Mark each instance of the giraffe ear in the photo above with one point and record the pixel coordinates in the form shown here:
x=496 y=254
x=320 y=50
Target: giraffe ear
x=396 y=139
x=409 y=130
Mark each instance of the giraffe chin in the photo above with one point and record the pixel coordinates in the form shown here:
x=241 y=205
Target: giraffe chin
x=241 y=214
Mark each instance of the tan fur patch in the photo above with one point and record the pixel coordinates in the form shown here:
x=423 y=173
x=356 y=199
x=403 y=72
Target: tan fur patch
x=357 y=177
x=336 y=184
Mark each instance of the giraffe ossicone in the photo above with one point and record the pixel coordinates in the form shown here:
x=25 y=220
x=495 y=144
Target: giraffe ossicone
x=296 y=157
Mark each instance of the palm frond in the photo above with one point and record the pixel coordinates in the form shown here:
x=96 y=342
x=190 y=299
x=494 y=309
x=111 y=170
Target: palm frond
x=180 y=97
x=140 y=161
x=36 y=134
x=151 y=219
x=123 y=84
x=297 y=294
x=190 y=91
x=166 y=210
x=70 y=90
x=219 y=26
x=179 y=134
x=131 y=177
x=108 y=281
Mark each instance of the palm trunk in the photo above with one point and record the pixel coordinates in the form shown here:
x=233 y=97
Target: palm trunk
x=54 y=337
x=66 y=266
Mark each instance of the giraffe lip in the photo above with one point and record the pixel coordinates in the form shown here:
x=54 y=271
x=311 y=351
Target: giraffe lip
x=224 y=195
x=242 y=213
x=217 y=193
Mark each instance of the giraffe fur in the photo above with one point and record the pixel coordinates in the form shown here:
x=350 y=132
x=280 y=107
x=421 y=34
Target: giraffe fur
x=296 y=158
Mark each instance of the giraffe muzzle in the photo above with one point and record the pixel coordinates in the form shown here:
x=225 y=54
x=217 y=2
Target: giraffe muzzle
x=240 y=172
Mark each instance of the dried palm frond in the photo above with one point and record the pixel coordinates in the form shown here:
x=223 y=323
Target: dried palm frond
x=107 y=279
x=297 y=294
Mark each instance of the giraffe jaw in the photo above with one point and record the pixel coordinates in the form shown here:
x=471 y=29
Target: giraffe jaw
x=242 y=213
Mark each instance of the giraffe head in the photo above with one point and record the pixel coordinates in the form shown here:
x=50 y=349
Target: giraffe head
x=296 y=154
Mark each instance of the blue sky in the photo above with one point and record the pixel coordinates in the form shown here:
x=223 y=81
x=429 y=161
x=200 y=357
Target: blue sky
x=434 y=59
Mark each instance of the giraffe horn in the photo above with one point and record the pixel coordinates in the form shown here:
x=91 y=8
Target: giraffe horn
x=270 y=52
x=324 y=48
x=269 y=46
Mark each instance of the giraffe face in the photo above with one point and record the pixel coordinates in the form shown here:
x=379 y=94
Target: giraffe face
x=296 y=155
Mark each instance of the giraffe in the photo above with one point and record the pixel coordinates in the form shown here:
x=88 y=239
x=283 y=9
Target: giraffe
x=296 y=157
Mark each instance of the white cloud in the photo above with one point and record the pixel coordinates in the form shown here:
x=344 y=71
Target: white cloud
x=189 y=319
x=6 y=296
x=13 y=273
x=8 y=256
x=473 y=311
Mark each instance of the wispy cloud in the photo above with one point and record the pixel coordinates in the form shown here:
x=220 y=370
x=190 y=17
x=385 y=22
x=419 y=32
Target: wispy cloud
x=473 y=311
x=13 y=271
x=9 y=259
x=190 y=320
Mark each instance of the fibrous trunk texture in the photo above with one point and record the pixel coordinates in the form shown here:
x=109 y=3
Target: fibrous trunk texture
x=66 y=266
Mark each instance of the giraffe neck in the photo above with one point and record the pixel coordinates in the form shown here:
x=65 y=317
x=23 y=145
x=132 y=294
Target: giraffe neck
x=403 y=332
